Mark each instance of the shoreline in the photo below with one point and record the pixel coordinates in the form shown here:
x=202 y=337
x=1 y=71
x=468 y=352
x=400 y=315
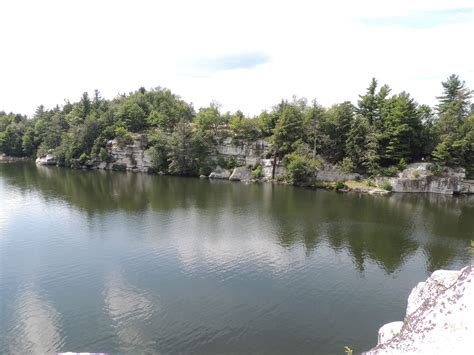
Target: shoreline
x=350 y=186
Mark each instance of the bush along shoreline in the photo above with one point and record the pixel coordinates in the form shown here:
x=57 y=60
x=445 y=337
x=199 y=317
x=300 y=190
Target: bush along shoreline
x=368 y=146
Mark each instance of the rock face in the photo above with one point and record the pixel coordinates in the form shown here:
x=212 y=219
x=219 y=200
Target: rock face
x=133 y=157
x=219 y=173
x=417 y=177
x=267 y=168
x=439 y=317
x=245 y=153
x=329 y=172
x=7 y=159
x=241 y=173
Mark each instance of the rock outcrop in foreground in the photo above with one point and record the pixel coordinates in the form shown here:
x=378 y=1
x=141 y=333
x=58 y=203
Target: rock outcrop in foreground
x=439 y=318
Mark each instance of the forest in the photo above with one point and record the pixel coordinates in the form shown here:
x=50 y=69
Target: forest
x=379 y=135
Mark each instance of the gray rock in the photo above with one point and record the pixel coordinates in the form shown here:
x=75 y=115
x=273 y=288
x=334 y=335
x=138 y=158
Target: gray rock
x=47 y=159
x=219 y=173
x=439 y=317
x=241 y=173
x=267 y=168
x=246 y=153
x=417 y=177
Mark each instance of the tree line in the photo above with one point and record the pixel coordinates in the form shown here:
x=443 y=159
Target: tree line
x=378 y=135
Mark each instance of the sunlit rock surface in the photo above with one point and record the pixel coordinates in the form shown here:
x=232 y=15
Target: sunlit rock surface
x=241 y=173
x=47 y=159
x=417 y=177
x=267 y=168
x=439 y=318
x=219 y=173
x=246 y=153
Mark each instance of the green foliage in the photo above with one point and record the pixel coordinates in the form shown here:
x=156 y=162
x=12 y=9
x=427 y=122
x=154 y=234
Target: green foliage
x=340 y=185
x=180 y=155
x=402 y=164
x=370 y=183
x=437 y=169
x=83 y=158
x=104 y=155
x=244 y=128
x=159 y=149
x=257 y=173
x=346 y=166
x=288 y=129
x=386 y=186
x=124 y=137
x=300 y=166
x=208 y=120
x=382 y=131
x=119 y=167
x=389 y=171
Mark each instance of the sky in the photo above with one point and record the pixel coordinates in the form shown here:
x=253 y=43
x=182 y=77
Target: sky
x=245 y=55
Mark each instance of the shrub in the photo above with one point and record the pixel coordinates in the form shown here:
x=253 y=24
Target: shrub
x=402 y=164
x=370 y=183
x=231 y=163
x=104 y=155
x=124 y=137
x=390 y=171
x=346 y=166
x=437 y=169
x=83 y=158
x=300 y=166
x=119 y=167
x=386 y=186
x=257 y=173
x=340 y=185
x=281 y=178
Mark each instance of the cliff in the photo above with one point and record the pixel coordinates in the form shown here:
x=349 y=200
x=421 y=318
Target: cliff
x=418 y=177
x=439 y=318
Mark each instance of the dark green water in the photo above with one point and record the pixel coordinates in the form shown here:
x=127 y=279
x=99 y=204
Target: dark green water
x=116 y=262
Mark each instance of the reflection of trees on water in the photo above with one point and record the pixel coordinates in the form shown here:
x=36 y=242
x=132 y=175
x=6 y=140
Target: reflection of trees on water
x=385 y=230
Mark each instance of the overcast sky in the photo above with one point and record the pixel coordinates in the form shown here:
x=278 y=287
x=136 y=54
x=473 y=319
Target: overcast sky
x=245 y=55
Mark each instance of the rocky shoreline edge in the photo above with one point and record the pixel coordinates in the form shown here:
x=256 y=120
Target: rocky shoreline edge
x=416 y=177
x=439 y=317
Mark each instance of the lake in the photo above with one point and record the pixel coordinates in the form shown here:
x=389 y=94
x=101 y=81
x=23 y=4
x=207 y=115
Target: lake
x=123 y=262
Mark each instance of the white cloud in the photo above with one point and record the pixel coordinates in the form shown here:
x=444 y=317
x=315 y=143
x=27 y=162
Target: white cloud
x=53 y=50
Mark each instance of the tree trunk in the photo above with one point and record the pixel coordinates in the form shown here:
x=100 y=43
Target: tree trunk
x=314 y=148
x=274 y=165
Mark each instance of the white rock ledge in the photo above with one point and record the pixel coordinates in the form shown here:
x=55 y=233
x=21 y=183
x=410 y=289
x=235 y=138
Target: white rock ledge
x=439 y=318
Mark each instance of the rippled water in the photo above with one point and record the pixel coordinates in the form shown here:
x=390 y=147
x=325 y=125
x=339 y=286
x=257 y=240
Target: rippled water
x=96 y=261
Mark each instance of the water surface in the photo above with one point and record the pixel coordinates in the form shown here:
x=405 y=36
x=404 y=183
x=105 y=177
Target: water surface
x=122 y=262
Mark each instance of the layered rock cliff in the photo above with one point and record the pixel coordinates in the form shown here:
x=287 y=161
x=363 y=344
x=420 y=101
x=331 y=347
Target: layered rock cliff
x=134 y=157
x=418 y=177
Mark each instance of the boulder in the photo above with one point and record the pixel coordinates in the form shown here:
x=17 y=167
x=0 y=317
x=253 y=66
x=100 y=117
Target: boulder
x=439 y=317
x=47 y=159
x=219 y=173
x=241 y=173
